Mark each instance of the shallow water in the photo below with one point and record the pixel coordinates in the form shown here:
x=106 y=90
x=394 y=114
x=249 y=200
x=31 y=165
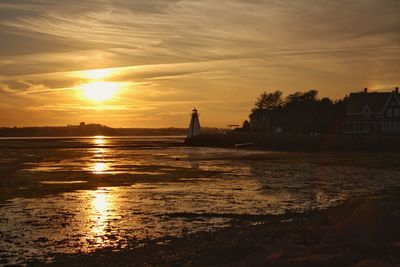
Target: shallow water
x=168 y=190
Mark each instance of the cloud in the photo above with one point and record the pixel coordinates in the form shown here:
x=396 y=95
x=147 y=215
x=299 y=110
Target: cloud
x=180 y=54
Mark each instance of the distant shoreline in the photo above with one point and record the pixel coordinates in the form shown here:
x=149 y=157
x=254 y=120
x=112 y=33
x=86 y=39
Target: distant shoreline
x=68 y=137
x=298 y=143
x=87 y=130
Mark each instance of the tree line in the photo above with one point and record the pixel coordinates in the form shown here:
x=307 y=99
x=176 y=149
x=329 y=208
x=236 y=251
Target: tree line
x=299 y=112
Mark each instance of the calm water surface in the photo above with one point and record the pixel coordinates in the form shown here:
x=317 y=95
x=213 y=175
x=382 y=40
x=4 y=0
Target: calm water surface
x=103 y=192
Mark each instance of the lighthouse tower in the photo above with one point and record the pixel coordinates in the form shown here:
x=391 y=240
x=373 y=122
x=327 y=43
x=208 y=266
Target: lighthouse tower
x=194 y=127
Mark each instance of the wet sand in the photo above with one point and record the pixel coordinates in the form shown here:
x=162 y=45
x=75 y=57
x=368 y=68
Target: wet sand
x=100 y=202
x=18 y=180
x=360 y=233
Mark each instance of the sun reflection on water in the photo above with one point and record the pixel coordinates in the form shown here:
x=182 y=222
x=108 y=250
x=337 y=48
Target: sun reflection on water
x=99 y=140
x=102 y=211
x=99 y=165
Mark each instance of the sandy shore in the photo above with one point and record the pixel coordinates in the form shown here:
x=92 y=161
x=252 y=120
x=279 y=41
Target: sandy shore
x=360 y=233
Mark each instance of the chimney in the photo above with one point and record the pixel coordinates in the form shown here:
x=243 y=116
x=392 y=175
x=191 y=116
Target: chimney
x=365 y=90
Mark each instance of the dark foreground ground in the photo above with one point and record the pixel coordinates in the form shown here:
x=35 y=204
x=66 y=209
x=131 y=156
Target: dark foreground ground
x=298 y=142
x=361 y=233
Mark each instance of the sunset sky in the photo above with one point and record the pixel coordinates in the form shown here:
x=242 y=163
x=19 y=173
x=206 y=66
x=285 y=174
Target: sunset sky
x=142 y=63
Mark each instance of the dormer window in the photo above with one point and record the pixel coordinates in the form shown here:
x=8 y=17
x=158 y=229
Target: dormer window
x=366 y=112
x=396 y=112
x=390 y=112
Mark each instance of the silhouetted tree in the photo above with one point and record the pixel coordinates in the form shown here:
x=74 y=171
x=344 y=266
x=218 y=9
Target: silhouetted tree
x=299 y=112
x=246 y=125
x=269 y=101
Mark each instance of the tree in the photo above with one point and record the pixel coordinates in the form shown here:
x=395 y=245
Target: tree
x=299 y=112
x=302 y=97
x=269 y=101
x=246 y=125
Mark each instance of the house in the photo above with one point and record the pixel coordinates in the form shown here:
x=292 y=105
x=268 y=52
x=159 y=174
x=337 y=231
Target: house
x=260 y=120
x=375 y=113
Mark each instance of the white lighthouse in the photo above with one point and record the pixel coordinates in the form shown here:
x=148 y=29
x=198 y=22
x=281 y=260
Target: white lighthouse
x=194 y=127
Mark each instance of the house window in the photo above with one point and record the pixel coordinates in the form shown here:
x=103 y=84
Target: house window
x=390 y=112
x=396 y=112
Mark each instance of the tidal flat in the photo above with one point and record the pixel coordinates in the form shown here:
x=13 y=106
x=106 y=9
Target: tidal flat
x=152 y=201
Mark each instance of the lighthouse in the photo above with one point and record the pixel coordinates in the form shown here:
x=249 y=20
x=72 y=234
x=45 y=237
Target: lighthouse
x=194 y=127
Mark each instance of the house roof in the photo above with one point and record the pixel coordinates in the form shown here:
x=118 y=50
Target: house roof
x=375 y=101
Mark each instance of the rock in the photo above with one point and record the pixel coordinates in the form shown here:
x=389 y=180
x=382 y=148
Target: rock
x=393 y=251
x=373 y=263
x=329 y=258
x=370 y=226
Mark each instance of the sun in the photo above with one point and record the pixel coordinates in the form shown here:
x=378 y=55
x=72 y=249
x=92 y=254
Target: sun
x=100 y=91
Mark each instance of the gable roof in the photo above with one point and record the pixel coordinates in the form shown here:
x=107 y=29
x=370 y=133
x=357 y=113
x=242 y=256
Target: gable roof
x=375 y=101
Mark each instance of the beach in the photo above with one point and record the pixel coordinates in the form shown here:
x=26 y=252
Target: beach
x=153 y=201
x=361 y=233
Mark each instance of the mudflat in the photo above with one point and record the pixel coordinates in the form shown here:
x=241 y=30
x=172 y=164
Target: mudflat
x=152 y=201
x=361 y=233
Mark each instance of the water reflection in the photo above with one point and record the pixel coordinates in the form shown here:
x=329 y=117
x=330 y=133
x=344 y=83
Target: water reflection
x=101 y=208
x=99 y=140
x=99 y=166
